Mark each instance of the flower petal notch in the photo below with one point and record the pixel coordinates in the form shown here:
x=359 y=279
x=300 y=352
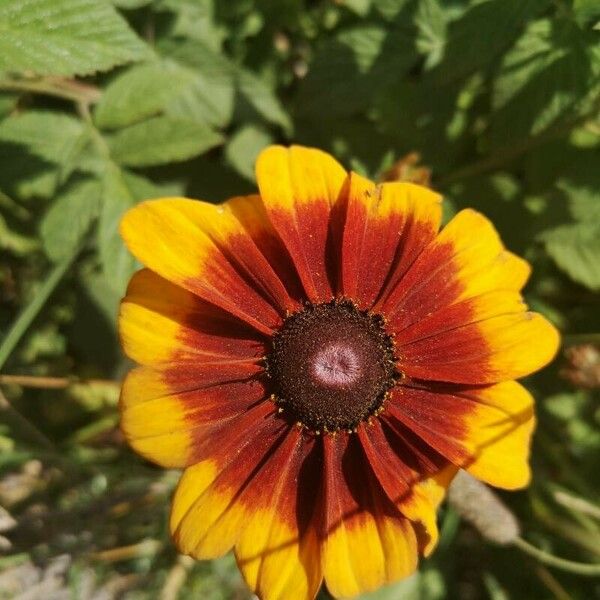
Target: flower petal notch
x=322 y=360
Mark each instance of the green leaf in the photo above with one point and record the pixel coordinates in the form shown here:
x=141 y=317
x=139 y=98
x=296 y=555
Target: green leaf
x=576 y=250
x=131 y=4
x=195 y=19
x=262 y=99
x=244 y=147
x=584 y=203
x=552 y=72
x=65 y=37
x=348 y=70
x=390 y=9
x=49 y=135
x=586 y=11
x=162 y=140
x=13 y=241
x=69 y=218
x=431 y=22
x=210 y=97
x=7 y=103
x=117 y=263
x=140 y=92
x=481 y=34
x=120 y=191
x=360 y=7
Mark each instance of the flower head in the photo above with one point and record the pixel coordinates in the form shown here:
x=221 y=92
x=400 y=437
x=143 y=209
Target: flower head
x=322 y=360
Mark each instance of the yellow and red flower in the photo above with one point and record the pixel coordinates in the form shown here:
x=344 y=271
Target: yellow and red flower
x=321 y=360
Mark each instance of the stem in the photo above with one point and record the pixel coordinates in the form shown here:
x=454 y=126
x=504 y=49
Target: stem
x=25 y=426
x=589 y=570
x=176 y=578
x=29 y=313
x=577 y=504
x=147 y=547
x=570 y=339
x=52 y=383
x=509 y=153
x=58 y=88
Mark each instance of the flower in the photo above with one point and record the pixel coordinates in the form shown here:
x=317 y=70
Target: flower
x=322 y=360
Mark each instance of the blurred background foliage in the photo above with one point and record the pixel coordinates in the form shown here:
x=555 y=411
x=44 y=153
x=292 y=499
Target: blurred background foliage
x=103 y=104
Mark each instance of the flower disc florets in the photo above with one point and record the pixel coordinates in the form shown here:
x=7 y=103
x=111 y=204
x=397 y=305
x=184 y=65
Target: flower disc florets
x=331 y=366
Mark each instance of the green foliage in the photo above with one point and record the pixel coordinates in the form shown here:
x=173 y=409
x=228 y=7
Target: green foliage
x=161 y=140
x=65 y=37
x=140 y=92
x=549 y=74
x=362 y=60
x=104 y=104
x=69 y=218
x=48 y=135
x=576 y=250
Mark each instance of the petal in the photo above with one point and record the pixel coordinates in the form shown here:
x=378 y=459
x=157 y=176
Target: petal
x=453 y=316
x=160 y=322
x=386 y=228
x=206 y=516
x=299 y=187
x=206 y=250
x=500 y=348
x=170 y=415
x=250 y=212
x=278 y=551
x=503 y=459
x=466 y=259
x=367 y=542
x=247 y=495
x=485 y=430
x=406 y=487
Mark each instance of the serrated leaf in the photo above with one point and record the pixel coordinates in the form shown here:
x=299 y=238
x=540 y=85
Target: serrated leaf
x=65 y=37
x=210 y=97
x=120 y=191
x=552 y=69
x=481 y=34
x=348 y=70
x=431 y=23
x=49 y=135
x=195 y=19
x=243 y=148
x=390 y=9
x=576 y=250
x=584 y=202
x=263 y=99
x=140 y=92
x=161 y=140
x=69 y=218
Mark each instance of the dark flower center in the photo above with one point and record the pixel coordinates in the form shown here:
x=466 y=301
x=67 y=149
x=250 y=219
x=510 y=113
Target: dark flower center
x=331 y=366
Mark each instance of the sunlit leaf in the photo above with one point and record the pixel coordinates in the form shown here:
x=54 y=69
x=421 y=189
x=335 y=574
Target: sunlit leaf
x=576 y=250
x=161 y=140
x=553 y=68
x=69 y=218
x=65 y=37
x=140 y=92
x=483 y=32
